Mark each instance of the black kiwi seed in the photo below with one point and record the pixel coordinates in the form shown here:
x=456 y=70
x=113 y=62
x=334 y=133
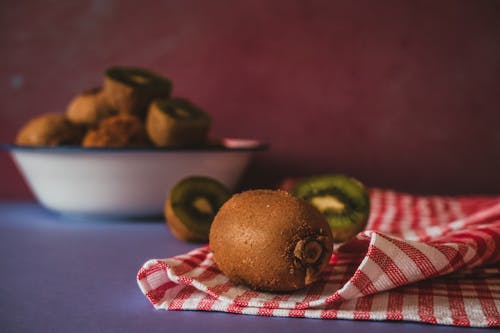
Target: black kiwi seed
x=192 y=205
x=343 y=200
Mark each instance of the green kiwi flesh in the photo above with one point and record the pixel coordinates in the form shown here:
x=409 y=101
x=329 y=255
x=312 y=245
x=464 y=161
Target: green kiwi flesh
x=192 y=205
x=343 y=200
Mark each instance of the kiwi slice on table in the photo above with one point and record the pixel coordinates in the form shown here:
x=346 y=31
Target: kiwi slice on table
x=177 y=122
x=130 y=89
x=343 y=200
x=192 y=205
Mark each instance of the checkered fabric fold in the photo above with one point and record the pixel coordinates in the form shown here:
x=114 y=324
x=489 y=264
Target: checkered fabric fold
x=422 y=258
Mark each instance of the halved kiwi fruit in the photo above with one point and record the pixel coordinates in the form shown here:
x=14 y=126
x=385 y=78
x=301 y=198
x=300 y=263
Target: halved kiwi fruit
x=177 y=122
x=130 y=89
x=343 y=200
x=192 y=205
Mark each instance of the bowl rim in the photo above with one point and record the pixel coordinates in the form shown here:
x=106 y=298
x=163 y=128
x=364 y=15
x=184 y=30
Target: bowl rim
x=227 y=145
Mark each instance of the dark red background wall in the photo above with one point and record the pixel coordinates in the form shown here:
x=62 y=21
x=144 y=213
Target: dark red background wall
x=401 y=94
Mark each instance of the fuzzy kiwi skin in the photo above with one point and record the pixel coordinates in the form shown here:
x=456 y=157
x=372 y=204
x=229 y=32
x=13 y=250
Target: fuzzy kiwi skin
x=261 y=238
x=89 y=108
x=50 y=129
x=122 y=130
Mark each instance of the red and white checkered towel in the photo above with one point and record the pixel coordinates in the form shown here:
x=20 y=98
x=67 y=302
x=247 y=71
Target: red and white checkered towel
x=428 y=259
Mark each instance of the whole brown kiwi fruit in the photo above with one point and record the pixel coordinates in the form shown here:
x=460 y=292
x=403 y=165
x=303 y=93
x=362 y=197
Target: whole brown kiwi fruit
x=89 y=108
x=270 y=241
x=50 y=129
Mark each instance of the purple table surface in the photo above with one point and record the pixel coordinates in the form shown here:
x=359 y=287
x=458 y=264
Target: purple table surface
x=61 y=274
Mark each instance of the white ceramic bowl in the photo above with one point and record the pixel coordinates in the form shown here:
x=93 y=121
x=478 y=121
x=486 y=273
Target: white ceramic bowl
x=124 y=183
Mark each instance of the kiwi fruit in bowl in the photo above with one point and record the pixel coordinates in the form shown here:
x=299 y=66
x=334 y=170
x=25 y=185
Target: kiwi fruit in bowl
x=271 y=241
x=50 y=129
x=130 y=89
x=191 y=206
x=89 y=108
x=343 y=200
x=122 y=130
x=177 y=122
